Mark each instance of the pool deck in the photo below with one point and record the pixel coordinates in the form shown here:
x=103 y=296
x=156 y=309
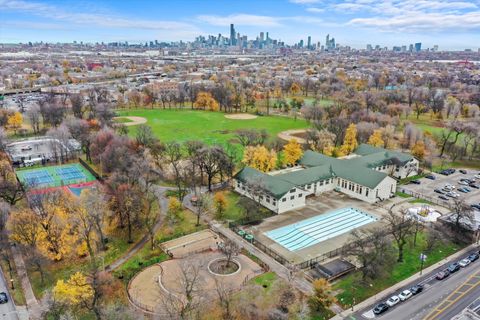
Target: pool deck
x=322 y=204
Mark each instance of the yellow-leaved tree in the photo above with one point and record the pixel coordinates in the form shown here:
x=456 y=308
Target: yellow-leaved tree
x=75 y=291
x=295 y=88
x=24 y=227
x=322 y=297
x=292 y=151
x=418 y=150
x=174 y=209
x=376 y=139
x=15 y=121
x=260 y=158
x=206 y=101
x=350 y=141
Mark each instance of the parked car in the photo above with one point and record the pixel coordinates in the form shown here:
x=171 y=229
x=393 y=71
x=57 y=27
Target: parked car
x=442 y=274
x=380 y=308
x=475 y=206
x=473 y=257
x=393 y=300
x=449 y=186
x=439 y=191
x=405 y=294
x=454 y=267
x=464 y=190
x=477 y=176
x=464 y=262
x=444 y=198
x=465 y=183
x=416 y=289
x=473 y=185
x=447 y=172
x=414 y=182
x=431 y=177
x=3 y=298
x=26 y=148
x=462 y=171
x=452 y=194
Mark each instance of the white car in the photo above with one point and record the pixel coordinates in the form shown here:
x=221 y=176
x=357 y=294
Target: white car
x=452 y=194
x=464 y=262
x=465 y=183
x=477 y=176
x=393 y=300
x=26 y=148
x=405 y=294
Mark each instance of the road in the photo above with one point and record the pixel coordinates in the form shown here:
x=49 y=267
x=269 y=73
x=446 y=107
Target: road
x=7 y=311
x=435 y=292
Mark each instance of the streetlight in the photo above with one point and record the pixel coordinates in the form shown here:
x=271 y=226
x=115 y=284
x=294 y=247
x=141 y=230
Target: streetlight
x=423 y=257
x=11 y=282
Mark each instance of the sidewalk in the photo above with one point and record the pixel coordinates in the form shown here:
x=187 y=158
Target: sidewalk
x=391 y=290
x=33 y=307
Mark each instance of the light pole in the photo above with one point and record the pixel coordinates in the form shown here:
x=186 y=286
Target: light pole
x=423 y=257
x=11 y=283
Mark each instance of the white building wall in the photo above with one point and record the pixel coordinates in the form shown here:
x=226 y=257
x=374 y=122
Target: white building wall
x=408 y=170
x=383 y=190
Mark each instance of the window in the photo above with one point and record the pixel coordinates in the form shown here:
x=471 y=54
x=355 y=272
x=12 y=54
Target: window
x=292 y=197
x=321 y=182
x=274 y=202
x=366 y=193
x=300 y=195
x=284 y=199
x=292 y=191
x=308 y=186
x=268 y=200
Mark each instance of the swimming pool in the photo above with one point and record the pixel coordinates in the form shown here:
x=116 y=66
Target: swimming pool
x=311 y=231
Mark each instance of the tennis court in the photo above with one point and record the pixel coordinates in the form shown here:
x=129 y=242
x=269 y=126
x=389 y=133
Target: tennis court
x=54 y=176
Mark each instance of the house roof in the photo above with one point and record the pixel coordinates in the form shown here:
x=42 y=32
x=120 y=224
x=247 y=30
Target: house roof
x=307 y=176
x=272 y=184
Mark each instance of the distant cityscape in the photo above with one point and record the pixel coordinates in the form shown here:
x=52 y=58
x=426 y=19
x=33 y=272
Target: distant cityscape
x=238 y=42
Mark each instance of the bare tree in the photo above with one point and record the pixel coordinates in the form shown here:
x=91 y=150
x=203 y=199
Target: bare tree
x=33 y=115
x=401 y=226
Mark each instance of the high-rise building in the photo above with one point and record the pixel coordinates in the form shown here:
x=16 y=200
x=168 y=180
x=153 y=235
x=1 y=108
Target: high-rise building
x=418 y=46
x=232 y=35
x=309 y=43
x=369 y=47
x=262 y=36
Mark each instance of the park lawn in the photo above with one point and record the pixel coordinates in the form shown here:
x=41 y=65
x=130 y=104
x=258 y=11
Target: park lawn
x=349 y=286
x=423 y=201
x=416 y=177
x=233 y=212
x=209 y=127
x=265 y=280
x=54 y=271
x=439 y=165
x=121 y=120
x=402 y=194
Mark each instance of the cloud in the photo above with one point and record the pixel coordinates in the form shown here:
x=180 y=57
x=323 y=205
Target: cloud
x=304 y=1
x=240 y=19
x=315 y=10
x=433 y=22
x=92 y=19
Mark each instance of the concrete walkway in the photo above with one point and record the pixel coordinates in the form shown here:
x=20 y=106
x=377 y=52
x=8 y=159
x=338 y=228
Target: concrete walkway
x=413 y=279
x=33 y=306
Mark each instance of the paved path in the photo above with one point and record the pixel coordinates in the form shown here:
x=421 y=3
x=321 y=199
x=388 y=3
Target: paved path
x=134 y=120
x=7 y=310
x=159 y=192
x=33 y=306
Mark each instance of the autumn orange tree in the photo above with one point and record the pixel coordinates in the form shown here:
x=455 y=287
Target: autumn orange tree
x=292 y=152
x=350 y=141
x=206 y=101
x=220 y=204
x=260 y=158
x=376 y=139
x=295 y=88
x=15 y=121
x=323 y=296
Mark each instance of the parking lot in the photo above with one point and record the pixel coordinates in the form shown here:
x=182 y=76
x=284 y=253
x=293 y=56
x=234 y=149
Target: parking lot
x=427 y=186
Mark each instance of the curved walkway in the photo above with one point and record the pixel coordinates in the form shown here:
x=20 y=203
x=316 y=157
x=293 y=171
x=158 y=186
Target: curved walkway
x=289 y=135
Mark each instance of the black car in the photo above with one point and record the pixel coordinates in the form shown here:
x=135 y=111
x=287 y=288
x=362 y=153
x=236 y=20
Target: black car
x=475 y=206
x=439 y=191
x=473 y=257
x=447 y=172
x=473 y=185
x=431 y=177
x=454 y=267
x=380 y=308
x=3 y=298
x=463 y=171
x=416 y=289
x=415 y=182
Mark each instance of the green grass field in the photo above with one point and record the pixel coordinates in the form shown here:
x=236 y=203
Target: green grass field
x=210 y=127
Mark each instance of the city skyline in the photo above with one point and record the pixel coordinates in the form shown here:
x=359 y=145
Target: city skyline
x=453 y=25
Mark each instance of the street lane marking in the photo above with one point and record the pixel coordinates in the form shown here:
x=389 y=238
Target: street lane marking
x=439 y=310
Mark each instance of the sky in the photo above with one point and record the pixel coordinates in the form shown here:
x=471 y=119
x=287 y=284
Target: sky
x=450 y=24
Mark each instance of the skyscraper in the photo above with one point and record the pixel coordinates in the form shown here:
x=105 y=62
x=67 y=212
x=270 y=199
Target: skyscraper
x=262 y=36
x=418 y=46
x=233 y=40
x=309 y=43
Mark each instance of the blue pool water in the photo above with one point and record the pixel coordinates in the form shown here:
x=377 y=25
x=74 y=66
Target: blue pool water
x=311 y=231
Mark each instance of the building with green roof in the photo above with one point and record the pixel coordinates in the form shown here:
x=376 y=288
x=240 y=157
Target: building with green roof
x=368 y=174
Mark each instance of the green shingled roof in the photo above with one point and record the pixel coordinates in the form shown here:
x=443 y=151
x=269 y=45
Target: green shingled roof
x=359 y=174
x=275 y=186
x=374 y=156
x=307 y=176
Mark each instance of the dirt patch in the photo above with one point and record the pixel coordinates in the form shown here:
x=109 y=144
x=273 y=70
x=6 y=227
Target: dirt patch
x=220 y=266
x=293 y=134
x=134 y=120
x=240 y=116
